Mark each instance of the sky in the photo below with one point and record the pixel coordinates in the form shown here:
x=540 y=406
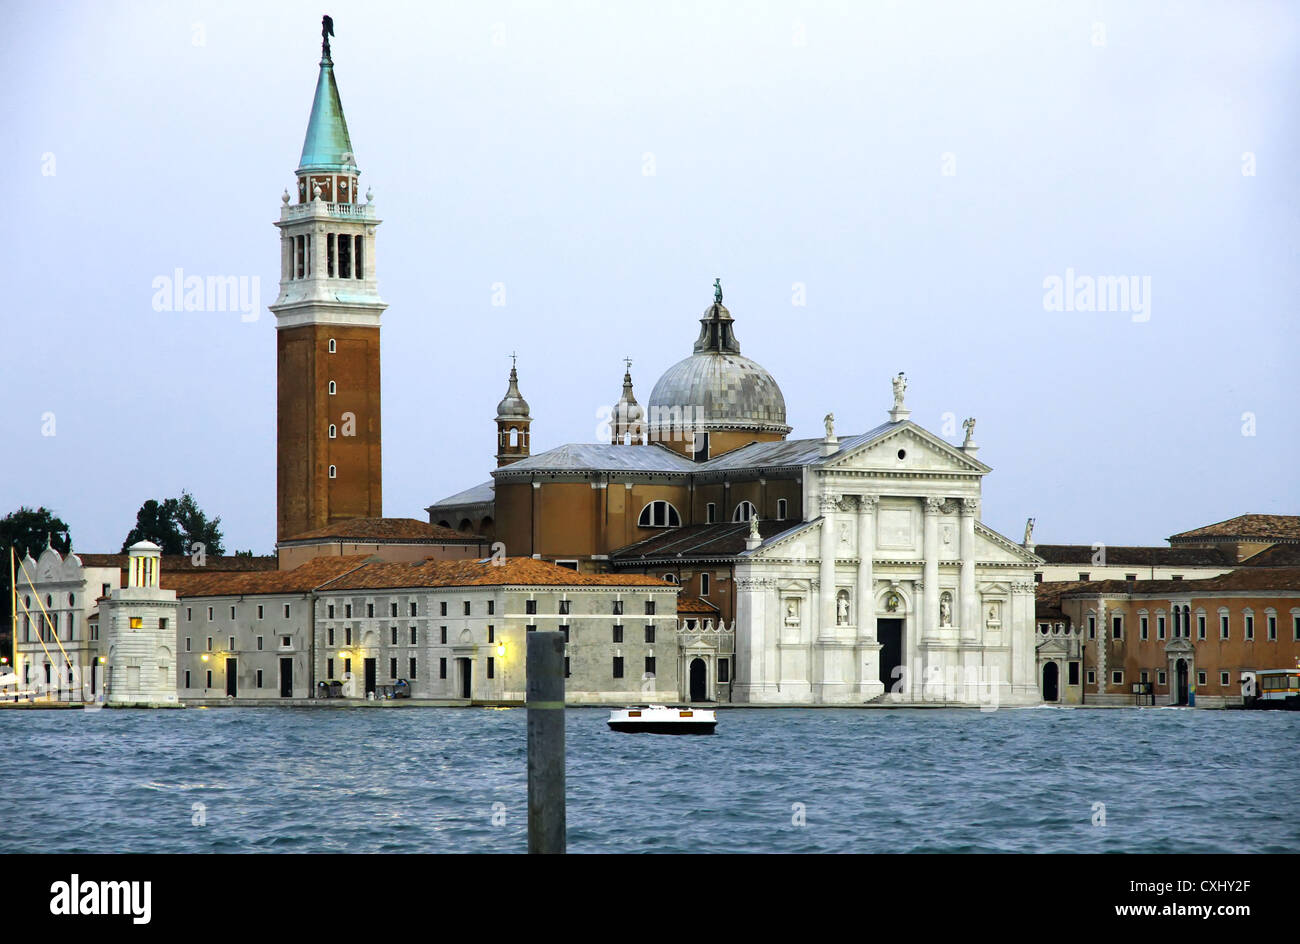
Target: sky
x=881 y=187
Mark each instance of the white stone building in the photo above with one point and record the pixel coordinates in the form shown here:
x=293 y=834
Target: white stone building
x=138 y=623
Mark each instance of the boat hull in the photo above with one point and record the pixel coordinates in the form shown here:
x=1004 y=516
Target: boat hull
x=663 y=727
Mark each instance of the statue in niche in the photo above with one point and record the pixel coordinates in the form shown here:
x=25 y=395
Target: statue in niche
x=900 y=387
x=792 y=612
x=891 y=603
x=842 y=608
x=846 y=536
x=993 y=614
x=945 y=609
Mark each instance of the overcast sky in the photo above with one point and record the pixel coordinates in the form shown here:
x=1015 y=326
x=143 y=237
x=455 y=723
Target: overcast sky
x=920 y=169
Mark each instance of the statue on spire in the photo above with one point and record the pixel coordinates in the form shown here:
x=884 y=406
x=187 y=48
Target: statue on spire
x=717 y=291
x=900 y=387
x=326 y=31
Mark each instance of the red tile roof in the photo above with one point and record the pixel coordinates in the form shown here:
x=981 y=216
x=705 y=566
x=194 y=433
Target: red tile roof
x=385 y=530
x=1247 y=528
x=1130 y=556
x=695 y=605
x=303 y=579
x=510 y=571
x=1245 y=578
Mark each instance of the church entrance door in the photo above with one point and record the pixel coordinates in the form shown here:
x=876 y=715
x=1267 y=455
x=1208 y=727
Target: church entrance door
x=889 y=633
x=1051 y=682
x=1181 y=670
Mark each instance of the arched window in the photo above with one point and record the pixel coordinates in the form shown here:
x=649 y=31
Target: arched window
x=72 y=599
x=334 y=472
x=780 y=509
x=334 y=432
x=744 y=511
x=671 y=578
x=333 y=388
x=333 y=345
x=514 y=436
x=659 y=514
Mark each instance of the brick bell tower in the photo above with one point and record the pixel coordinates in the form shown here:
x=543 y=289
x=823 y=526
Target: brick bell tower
x=327 y=330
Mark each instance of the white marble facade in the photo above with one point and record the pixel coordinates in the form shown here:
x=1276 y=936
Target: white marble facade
x=892 y=534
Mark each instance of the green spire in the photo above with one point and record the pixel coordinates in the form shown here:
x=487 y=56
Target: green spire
x=327 y=146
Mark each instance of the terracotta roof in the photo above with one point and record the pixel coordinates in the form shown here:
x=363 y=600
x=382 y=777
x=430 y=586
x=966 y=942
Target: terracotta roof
x=697 y=541
x=695 y=605
x=384 y=530
x=1245 y=578
x=1120 y=556
x=302 y=579
x=1279 y=555
x=515 y=571
x=183 y=562
x=1248 y=527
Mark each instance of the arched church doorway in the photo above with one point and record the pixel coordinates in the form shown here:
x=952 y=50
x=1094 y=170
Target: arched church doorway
x=699 y=680
x=1180 y=677
x=1051 y=681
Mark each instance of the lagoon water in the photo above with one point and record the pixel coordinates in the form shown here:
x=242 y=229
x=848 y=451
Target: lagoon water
x=454 y=780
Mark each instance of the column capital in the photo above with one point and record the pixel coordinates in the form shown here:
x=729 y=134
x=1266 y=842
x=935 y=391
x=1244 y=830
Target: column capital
x=932 y=505
x=828 y=503
x=970 y=506
x=868 y=503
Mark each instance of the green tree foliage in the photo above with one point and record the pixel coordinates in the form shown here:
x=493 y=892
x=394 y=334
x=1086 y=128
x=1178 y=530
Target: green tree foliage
x=27 y=531
x=176 y=525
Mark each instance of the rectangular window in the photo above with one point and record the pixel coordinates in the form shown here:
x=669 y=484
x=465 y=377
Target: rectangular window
x=530 y=607
x=285 y=642
x=232 y=643
x=1223 y=626
x=1092 y=676
x=209 y=644
x=618 y=607
x=392 y=635
x=232 y=612
x=442 y=668
x=1160 y=627
x=259 y=678
x=442 y=608
x=1092 y=627
x=189 y=615
x=650 y=635
x=329 y=668
x=704 y=585
x=467 y=608
x=209 y=612
x=649 y=607
x=1202 y=679
x=411 y=674
x=187 y=643
x=491 y=667
x=209 y=680
x=392 y=668
x=347 y=611
x=649 y=665
x=618 y=632
x=780 y=516
x=1223 y=678
x=414 y=608
x=1117 y=678
x=566 y=666
x=492 y=607
x=1250 y=627
x=1143 y=676
x=724 y=666
x=187 y=678
x=442 y=635
x=1130 y=576
x=1142 y=627
x=492 y=634
x=259 y=643
x=392 y=608
x=1200 y=625
x=618 y=666
x=260 y=610
x=531 y=628
x=564 y=607
x=564 y=628
x=347 y=666
x=370 y=611
x=329 y=611
x=286 y=611
x=1117 y=626
x=329 y=636
x=1272 y=628
x=1074 y=673
x=1083 y=576
x=413 y=635
x=1160 y=677
x=1295 y=627
x=347 y=635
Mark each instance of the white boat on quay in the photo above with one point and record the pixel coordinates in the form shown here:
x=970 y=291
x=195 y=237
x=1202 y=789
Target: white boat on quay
x=660 y=719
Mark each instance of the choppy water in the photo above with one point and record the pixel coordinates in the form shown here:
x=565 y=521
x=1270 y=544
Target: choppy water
x=428 y=780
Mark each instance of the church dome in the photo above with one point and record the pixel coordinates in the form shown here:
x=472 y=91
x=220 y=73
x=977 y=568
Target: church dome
x=514 y=406
x=721 y=388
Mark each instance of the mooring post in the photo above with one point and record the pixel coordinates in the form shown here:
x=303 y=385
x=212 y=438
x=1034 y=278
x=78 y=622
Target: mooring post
x=545 y=693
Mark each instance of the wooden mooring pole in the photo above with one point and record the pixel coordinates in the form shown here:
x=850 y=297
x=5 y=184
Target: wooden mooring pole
x=545 y=693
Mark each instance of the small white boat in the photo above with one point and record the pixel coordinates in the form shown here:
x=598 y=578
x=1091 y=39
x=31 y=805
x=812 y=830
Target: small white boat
x=659 y=719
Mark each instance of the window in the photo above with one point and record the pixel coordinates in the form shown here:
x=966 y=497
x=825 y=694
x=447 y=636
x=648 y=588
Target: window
x=467 y=608
x=710 y=513
x=566 y=666
x=1223 y=625
x=334 y=431
x=259 y=678
x=724 y=670
x=650 y=635
x=1175 y=576
x=564 y=628
x=329 y=668
x=1130 y=576
x=333 y=344
x=492 y=634
x=187 y=678
x=1092 y=627
x=392 y=635
x=1117 y=626
x=1250 y=626
x=530 y=607
x=1160 y=677
x=232 y=643
x=704 y=585
x=1143 y=629
x=333 y=388
x=286 y=642
x=1038 y=577
x=1092 y=676
x=259 y=643
x=347 y=666
x=1272 y=627
x=329 y=611
x=187 y=644
x=530 y=628
x=649 y=607
x=744 y=511
x=334 y=472
x=413 y=609
x=329 y=636
x=208 y=684
x=618 y=666
x=564 y=607
x=1223 y=678
x=618 y=632
x=209 y=644
x=1160 y=626
x=189 y=612
x=1202 y=679
x=370 y=611
x=1200 y=625
x=232 y=612
x=260 y=610
x=659 y=514
x=780 y=509
x=347 y=635
x=347 y=611
x=413 y=635
x=1117 y=677
x=442 y=668
x=1295 y=625
x=491 y=667
x=442 y=635
x=618 y=607
x=411 y=666
x=492 y=607
x=1084 y=576
x=286 y=611
x=209 y=612
x=649 y=665
x=442 y=610
x=392 y=668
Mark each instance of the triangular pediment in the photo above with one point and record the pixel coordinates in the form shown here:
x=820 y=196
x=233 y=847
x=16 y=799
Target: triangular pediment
x=922 y=452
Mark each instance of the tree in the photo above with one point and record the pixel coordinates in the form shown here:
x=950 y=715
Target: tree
x=176 y=525
x=27 y=531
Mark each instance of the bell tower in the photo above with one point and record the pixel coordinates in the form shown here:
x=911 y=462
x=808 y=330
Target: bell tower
x=513 y=420
x=327 y=330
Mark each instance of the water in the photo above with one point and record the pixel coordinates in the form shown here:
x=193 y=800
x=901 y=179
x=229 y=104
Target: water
x=428 y=780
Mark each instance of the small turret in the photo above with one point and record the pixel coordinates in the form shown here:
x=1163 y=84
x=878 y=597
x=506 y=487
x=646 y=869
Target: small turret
x=628 y=421
x=513 y=421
